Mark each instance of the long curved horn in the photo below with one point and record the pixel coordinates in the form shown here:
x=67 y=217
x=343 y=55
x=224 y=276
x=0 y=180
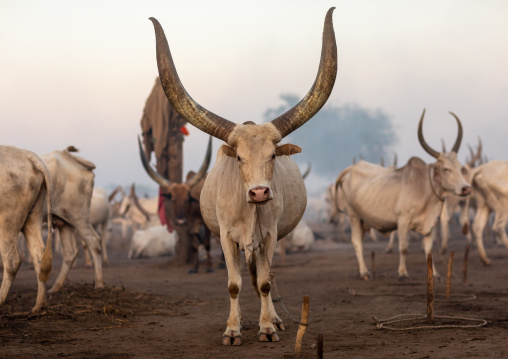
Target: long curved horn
x=181 y=101
x=443 y=146
x=478 y=154
x=161 y=181
x=113 y=194
x=135 y=200
x=424 y=144
x=309 y=167
x=456 y=146
x=320 y=90
x=204 y=167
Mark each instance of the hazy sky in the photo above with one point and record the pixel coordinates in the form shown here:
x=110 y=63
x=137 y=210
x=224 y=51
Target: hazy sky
x=79 y=72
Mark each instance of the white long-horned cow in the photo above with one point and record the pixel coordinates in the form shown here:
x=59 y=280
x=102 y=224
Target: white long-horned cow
x=73 y=180
x=403 y=199
x=255 y=194
x=25 y=186
x=490 y=190
x=183 y=205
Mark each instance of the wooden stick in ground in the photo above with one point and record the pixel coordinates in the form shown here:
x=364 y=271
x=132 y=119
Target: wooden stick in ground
x=304 y=320
x=373 y=256
x=320 y=346
x=449 y=275
x=430 y=290
x=464 y=270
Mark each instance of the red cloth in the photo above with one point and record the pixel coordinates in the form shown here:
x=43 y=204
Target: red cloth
x=184 y=130
x=162 y=213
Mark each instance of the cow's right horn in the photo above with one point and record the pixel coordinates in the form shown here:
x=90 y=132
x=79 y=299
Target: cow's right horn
x=181 y=101
x=424 y=144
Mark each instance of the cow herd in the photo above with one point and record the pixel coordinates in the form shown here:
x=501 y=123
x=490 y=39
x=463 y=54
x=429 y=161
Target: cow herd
x=253 y=196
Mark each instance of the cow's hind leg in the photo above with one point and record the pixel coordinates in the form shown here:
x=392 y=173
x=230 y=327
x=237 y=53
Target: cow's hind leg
x=93 y=241
x=357 y=233
x=33 y=235
x=232 y=335
x=69 y=251
x=11 y=261
x=194 y=252
x=499 y=227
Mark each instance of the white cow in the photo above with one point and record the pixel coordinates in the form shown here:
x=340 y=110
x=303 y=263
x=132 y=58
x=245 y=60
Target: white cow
x=300 y=239
x=99 y=218
x=255 y=194
x=73 y=180
x=408 y=198
x=25 y=187
x=152 y=242
x=490 y=190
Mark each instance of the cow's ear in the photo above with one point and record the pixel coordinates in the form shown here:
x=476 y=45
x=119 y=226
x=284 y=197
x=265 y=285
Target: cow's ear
x=287 y=150
x=228 y=151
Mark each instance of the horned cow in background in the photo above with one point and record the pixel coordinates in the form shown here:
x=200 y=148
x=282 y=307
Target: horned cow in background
x=183 y=200
x=73 y=180
x=408 y=198
x=24 y=191
x=254 y=195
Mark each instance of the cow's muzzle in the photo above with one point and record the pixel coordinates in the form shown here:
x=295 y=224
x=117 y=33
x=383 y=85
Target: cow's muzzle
x=259 y=194
x=466 y=190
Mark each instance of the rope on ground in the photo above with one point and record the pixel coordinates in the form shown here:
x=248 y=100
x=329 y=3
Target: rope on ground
x=458 y=297
x=385 y=323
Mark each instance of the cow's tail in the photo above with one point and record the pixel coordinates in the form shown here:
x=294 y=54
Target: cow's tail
x=47 y=257
x=338 y=183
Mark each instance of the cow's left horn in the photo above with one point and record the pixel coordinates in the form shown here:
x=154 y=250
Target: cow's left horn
x=181 y=101
x=456 y=146
x=424 y=144
x=204 y=167
x=320 y=90
x=161 y=181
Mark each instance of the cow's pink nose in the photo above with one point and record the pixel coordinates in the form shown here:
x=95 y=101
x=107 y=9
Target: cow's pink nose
x=259 y=194
x=466 y=190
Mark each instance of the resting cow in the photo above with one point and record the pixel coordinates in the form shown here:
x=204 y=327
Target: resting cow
x=25 y=186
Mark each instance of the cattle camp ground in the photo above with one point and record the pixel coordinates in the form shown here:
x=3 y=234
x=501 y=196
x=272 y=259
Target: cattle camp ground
x=240 y=260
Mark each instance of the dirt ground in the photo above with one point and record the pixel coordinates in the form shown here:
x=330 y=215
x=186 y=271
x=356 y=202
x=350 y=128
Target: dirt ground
x=153 y=309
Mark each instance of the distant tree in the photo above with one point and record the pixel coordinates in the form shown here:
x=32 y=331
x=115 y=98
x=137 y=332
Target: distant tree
x=336 y=135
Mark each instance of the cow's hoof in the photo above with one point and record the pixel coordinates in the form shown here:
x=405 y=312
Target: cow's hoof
x=263 y=337
x=486 y=263
x=365 y=276
x=280 y=326
x=193 y=271
x=403 y=278
x=389 y=250
x=210 y=270
x=235 y=341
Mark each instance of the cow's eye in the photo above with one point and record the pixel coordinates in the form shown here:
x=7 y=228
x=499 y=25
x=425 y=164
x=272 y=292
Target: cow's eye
x=238 y=158
x=273 y=156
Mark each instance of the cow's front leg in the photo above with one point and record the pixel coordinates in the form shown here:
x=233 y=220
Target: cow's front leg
x=268 y=316
x=232 y=335
x=402 y=232
x=428 y=239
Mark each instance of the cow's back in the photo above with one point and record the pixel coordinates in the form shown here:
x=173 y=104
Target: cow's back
x=73 y=181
